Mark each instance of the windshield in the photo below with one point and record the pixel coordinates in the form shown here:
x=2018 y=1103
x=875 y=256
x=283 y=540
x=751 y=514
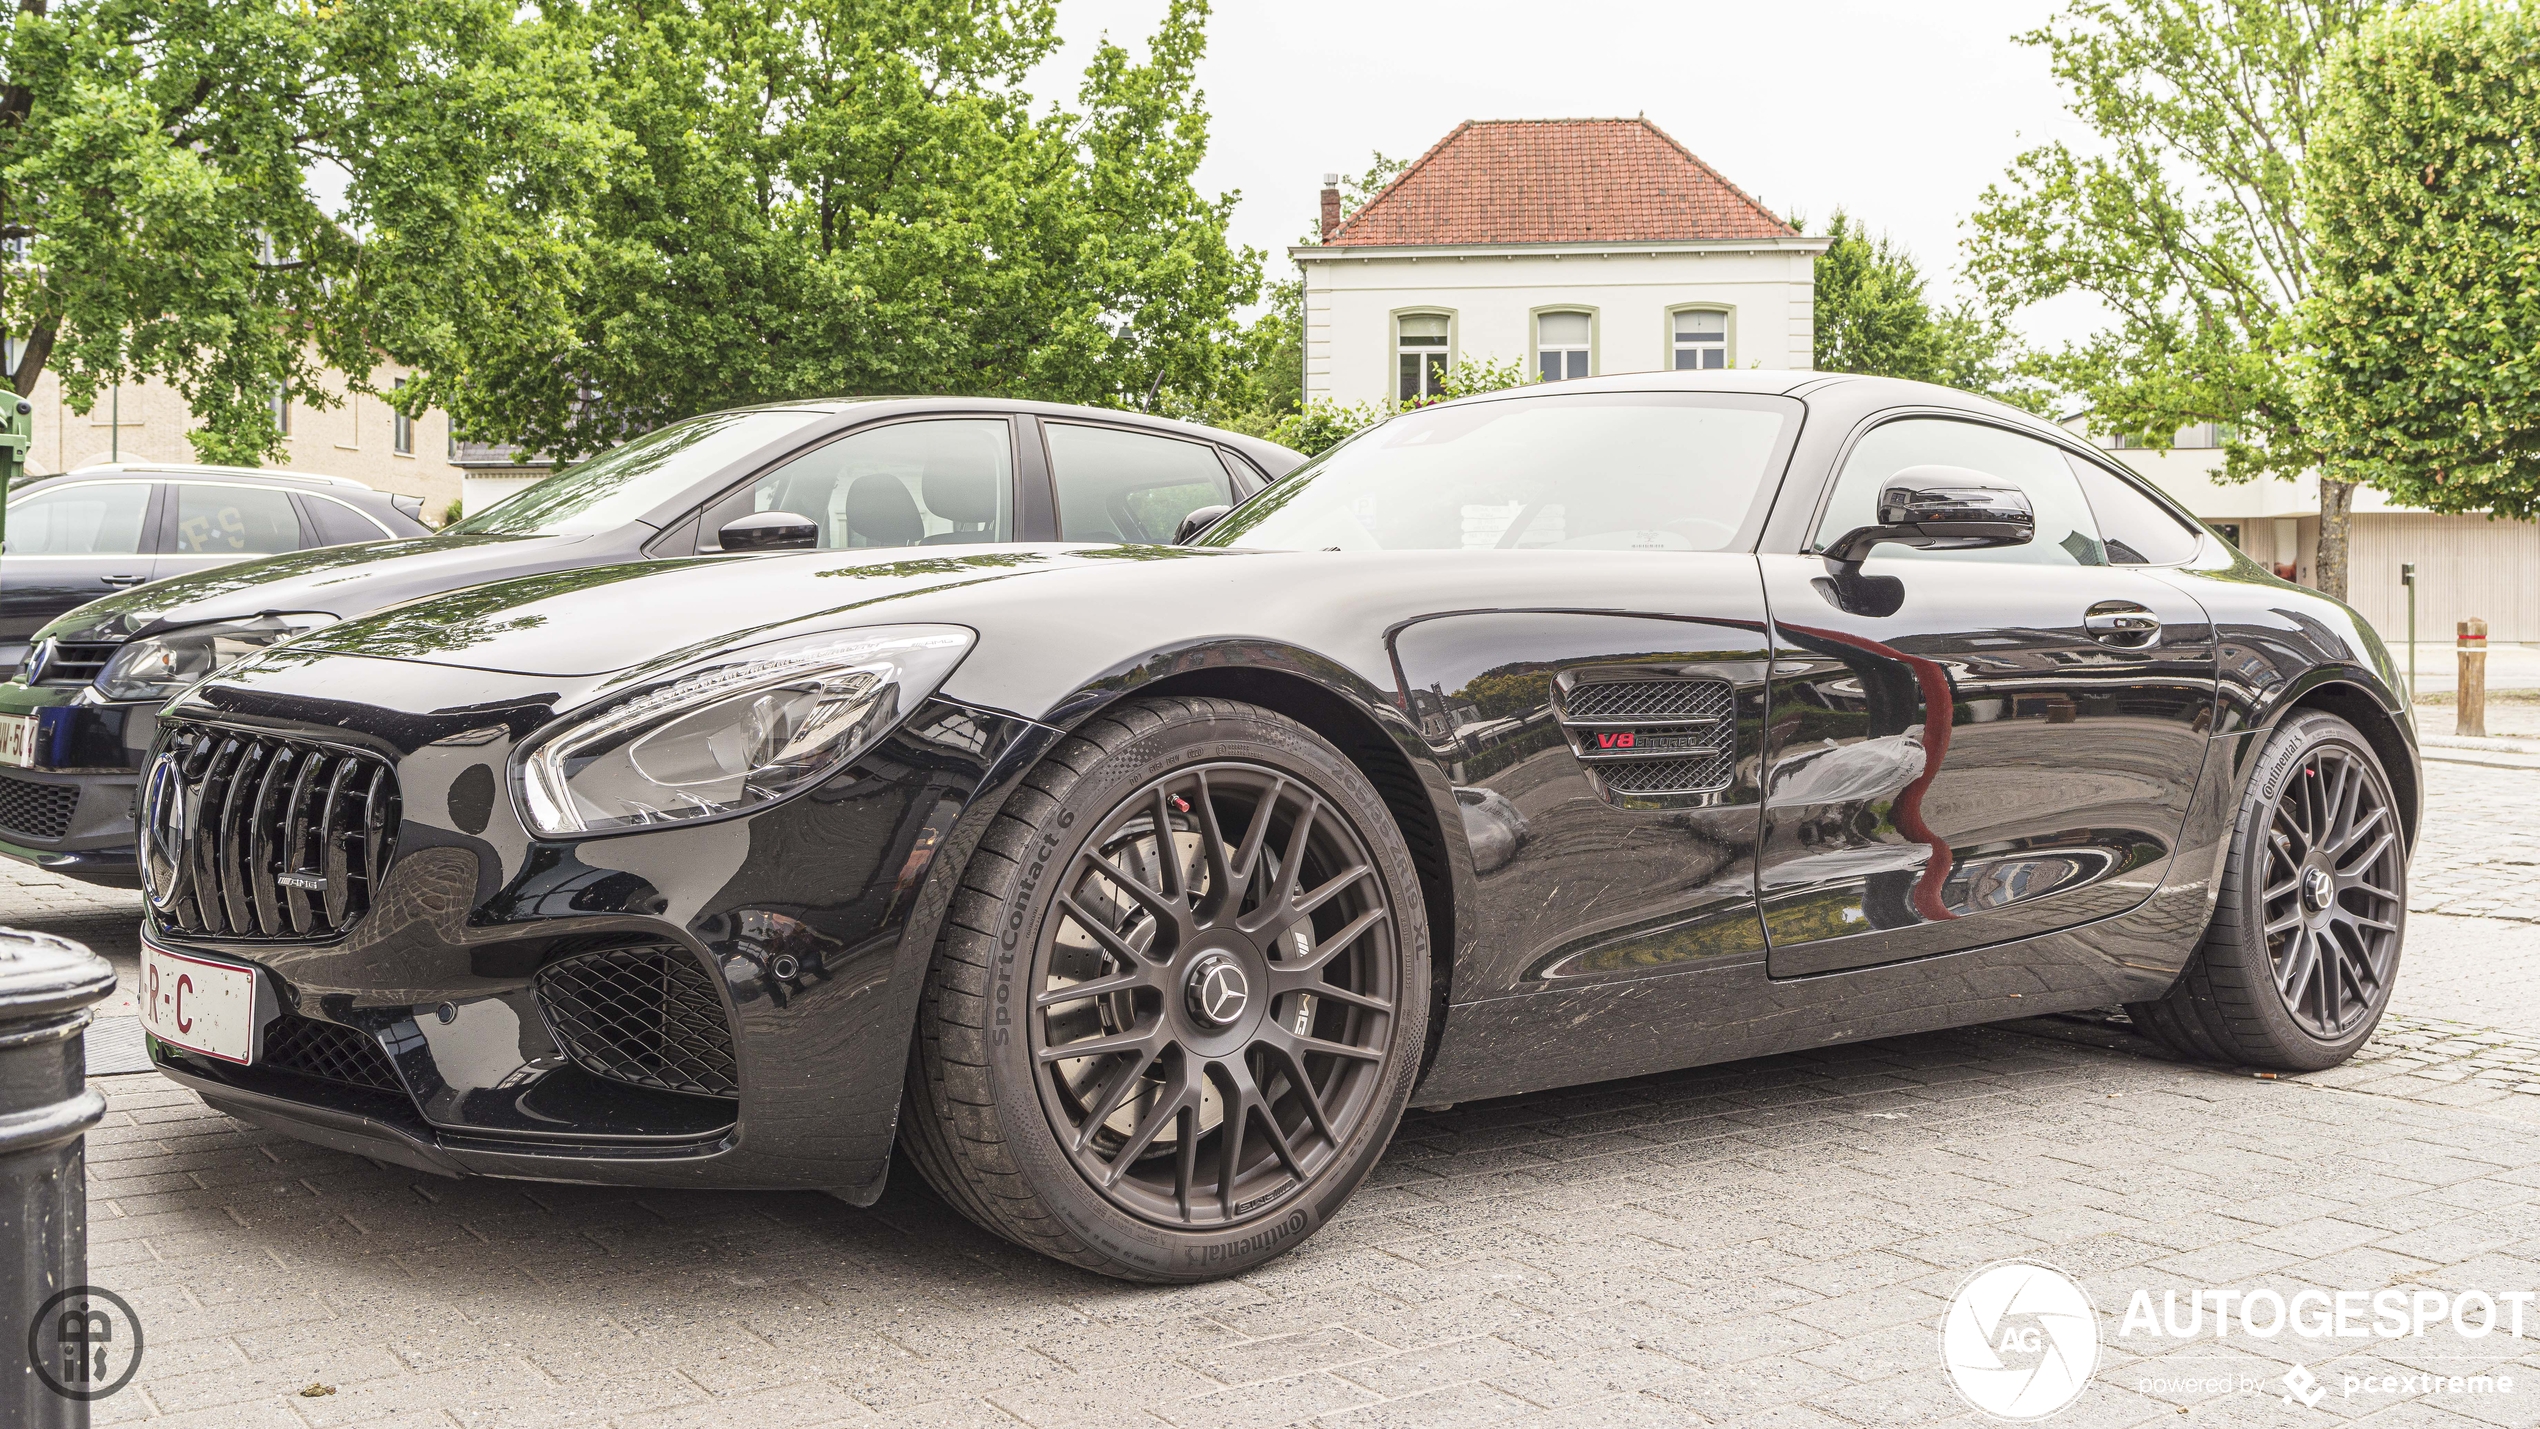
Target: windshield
x=617 y=486
x=1616 y=471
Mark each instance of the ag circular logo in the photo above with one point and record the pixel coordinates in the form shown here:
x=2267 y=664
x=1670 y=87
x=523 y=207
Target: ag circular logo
x=85 y=1343
x=2020 y=1340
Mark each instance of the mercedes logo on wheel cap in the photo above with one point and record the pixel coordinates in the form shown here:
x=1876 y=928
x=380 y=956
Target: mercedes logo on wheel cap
x=2318 y=890
x=1217 y=990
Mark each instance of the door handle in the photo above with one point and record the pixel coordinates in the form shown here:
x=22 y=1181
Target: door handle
x=2130 y=626
x=122 y=580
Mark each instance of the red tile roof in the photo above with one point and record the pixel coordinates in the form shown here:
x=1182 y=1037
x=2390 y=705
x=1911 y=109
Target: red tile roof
x=1558 y=181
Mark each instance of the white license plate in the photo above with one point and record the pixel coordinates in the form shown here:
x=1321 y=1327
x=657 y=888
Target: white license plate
x=17 y=741
x=200 y=1006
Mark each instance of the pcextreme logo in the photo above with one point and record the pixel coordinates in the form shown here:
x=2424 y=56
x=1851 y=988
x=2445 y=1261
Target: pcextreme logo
x=2020 y=1339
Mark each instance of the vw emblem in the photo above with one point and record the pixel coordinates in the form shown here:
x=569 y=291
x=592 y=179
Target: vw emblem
x=1217 y=991
x=163 y=833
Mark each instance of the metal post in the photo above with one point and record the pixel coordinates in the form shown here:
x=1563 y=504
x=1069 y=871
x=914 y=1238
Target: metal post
x=46 y=1109
x=2408 y=578
x=2472 y=696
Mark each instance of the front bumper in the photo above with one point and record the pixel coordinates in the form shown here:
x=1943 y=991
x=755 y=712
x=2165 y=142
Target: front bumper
x=803 y=928
x=75 y=811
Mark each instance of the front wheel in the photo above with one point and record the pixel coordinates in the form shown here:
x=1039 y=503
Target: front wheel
x=1180 y=1000
x=2303 y=951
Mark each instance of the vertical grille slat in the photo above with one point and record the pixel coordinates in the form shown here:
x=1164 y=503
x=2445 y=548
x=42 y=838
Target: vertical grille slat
x=260 y=840
x=264 y=844
x=295 y=843
x=332 y=859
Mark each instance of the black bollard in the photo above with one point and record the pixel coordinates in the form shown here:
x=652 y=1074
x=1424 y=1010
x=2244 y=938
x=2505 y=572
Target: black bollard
x=46 y=1108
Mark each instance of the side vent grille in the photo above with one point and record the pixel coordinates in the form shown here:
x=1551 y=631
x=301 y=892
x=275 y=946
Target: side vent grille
x=1651 y=737
x=646 y=1016
x=257 y=837
x=41 y=811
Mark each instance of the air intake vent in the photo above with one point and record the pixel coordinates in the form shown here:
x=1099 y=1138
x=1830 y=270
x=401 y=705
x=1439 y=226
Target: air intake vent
x=39 y=811
x=69 y=662
x=330 y=1052
x=646 y=1016
x=257 y=837
x=1651 y=737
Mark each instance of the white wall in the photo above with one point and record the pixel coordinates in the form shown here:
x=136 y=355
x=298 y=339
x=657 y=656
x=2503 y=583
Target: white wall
x=1351 y=296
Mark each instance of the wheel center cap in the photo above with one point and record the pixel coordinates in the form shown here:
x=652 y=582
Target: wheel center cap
x=2318 y=890
x=1216 y=990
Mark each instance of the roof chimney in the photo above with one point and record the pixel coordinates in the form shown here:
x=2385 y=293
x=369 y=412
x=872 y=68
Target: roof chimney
x=1331 y=206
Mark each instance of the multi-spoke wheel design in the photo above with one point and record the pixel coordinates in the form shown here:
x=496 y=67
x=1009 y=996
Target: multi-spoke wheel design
x=2335 y=867
x=1214 y=995
x=2309 y=914
x=1180 y=998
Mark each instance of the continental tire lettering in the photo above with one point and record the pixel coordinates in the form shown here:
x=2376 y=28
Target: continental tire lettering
x=1244 y=1247
x=1020 y=905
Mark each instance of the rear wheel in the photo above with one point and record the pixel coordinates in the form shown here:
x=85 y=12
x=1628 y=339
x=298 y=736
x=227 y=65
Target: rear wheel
x=2299 y=962
x=1180 y=1000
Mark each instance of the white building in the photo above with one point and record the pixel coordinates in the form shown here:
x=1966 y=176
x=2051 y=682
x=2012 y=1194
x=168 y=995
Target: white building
x=1573 y=247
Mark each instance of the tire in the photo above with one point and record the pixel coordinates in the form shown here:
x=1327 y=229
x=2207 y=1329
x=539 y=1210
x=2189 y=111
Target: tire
x=1115 y=1159
x=2283 y=979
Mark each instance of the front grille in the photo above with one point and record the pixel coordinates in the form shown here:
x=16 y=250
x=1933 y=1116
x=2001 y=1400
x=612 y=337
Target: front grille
x=254 y=836
x=647 y=1016
x=1648 y=699
x=69 y=662
x=328 y=1051
x=39 y=811
x=1695 y=774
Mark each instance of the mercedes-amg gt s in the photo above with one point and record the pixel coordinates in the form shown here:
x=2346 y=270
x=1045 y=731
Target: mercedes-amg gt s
x=1569 y=733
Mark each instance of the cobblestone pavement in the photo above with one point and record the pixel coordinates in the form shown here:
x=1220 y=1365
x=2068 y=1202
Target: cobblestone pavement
x=1766 y=1243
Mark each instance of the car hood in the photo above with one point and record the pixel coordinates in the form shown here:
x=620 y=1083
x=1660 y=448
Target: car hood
x=604 y=619
x=343 y=581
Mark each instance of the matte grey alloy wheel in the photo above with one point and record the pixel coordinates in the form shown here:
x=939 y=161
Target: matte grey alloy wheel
x=2304 y=948
x=1180 y=1000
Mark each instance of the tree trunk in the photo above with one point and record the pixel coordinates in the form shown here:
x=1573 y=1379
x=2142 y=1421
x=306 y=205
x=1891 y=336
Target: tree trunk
x=2328 y=559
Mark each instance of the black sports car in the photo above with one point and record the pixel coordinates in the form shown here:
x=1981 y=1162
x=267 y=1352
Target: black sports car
x=78 y=723
x=1562 y=734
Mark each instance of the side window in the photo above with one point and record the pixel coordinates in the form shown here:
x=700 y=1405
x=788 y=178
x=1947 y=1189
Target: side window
x=2138 y=529
x=234 y=520
x=338 y=524
x=94 y=518
x=2066 y=533
x=1125 y=486
x=925 y=483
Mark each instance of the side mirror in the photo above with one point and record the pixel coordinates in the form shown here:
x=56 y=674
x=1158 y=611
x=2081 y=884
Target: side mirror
x=1942 y=508
x=1197 y=522
x=769 y=531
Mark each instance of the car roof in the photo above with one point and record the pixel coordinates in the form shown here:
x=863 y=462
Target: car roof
x=1843 y=389
x=120 y=469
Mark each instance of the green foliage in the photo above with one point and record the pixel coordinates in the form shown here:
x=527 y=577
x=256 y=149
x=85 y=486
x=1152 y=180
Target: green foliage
x=2184 y=220
x=825 y=196
x=155 y=174
x=1873 y=316
x=2423 y=187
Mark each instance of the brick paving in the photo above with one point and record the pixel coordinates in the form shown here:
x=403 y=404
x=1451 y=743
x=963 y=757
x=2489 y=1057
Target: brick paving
x=1767 y=1243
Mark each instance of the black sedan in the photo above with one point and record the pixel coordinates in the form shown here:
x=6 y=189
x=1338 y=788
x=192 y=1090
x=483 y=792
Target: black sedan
x=1563 y=734
x=79 y=720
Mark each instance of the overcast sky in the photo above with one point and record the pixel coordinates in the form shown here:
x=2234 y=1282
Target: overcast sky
x=1901 y=114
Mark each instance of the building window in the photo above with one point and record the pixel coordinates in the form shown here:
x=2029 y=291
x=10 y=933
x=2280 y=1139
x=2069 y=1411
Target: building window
x=1702 y=340
x=282 y=410
x=2121 y=442
x=1420 y=349
x=401 y=428
x=1561 y=345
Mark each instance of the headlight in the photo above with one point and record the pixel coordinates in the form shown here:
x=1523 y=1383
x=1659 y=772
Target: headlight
x=163 y=666
x=740 y=730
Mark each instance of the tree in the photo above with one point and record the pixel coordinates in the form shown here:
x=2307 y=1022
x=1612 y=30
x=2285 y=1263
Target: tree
x=826 y=196
x=156 y=190
x=2423 y=193
x=1872 y=317
x=2185 y=222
